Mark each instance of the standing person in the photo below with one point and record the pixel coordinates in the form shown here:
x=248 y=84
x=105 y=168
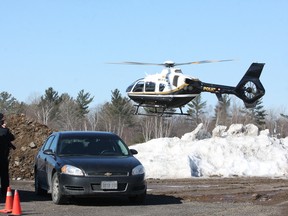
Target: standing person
x=5 y=144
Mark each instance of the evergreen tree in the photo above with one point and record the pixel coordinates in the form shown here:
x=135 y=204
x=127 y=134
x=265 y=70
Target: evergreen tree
x=51 y=96
x=196 y=109
x=83 y=100
x=8 y=104
x=120 y=106
x=117 y=114
x=258 y=114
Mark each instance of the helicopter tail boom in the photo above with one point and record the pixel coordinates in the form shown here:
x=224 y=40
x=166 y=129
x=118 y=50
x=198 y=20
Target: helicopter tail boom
x=249 y=89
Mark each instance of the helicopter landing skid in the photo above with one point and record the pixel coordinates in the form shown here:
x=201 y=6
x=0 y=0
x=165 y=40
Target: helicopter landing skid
x=152 y=110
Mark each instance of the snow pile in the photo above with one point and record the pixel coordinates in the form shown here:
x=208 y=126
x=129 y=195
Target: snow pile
x=239 y=151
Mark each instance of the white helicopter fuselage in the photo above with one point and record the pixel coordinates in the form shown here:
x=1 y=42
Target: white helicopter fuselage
x=168 y=89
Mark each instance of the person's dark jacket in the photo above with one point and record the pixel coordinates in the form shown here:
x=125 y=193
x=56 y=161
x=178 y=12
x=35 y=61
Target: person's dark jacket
x=5 y=142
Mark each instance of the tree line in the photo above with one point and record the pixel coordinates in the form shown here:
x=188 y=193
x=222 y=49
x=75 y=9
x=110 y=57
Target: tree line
x=63 y=112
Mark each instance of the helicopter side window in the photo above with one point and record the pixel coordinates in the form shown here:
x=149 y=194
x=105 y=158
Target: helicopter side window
x=161 y=87
x=149 y=86
x=175 y=80
x=139 y=87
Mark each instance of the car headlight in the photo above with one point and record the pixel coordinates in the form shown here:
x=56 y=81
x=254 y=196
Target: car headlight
x=72 y=170
x=138 y=170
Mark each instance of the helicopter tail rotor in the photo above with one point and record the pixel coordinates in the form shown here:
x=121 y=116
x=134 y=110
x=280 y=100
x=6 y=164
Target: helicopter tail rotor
x=250 y=89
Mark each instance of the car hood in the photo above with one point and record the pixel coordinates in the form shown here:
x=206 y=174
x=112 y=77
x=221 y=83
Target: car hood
x=99 y=165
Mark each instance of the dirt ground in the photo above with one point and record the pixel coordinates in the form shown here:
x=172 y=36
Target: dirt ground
x=259 y=191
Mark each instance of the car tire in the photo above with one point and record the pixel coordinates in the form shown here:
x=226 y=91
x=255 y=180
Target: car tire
x=138 y=199
x=38 y=189
x=56 y=193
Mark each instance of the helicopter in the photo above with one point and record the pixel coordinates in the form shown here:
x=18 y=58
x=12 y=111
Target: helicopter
x=172 y=89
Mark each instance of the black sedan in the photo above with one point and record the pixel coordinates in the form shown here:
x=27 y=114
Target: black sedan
x=88 y=163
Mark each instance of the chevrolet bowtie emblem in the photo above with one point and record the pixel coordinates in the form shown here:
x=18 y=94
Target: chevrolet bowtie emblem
x=108 y=174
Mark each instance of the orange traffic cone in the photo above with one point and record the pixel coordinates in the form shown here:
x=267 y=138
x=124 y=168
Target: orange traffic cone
x=16 y=204
x=9 y=202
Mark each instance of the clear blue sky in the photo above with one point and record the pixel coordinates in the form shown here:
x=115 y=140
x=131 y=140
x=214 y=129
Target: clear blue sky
x=66 y=44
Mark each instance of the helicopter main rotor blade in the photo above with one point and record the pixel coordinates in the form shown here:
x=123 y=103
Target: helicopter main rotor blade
x=170 y=64
x=136 y=63
x=203 y=62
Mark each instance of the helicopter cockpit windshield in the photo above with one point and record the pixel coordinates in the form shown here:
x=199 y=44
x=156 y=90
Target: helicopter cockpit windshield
x=138 y=85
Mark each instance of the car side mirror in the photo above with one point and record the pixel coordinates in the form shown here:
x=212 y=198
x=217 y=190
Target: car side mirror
x=133 y=151
x=48 y=152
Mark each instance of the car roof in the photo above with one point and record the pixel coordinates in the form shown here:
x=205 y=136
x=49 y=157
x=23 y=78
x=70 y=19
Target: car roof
x=83 y=133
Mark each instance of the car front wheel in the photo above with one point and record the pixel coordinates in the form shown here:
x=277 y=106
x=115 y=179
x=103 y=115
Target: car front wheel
x=57 y=196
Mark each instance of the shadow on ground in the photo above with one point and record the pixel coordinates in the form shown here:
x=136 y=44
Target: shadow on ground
x=30 y=196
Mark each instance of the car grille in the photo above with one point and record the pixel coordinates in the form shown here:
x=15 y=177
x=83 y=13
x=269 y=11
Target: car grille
x=121 y=187
x=107 y=174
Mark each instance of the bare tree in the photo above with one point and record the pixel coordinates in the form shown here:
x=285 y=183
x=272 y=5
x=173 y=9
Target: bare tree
x=162 y=126
x=283 y=125
x=68 y=118
x=222 y=111
x=236 y=112
x=93 y=118
x=147 y=123
x=277 y=124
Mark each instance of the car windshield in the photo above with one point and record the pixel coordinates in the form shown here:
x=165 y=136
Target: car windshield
x=99 y=146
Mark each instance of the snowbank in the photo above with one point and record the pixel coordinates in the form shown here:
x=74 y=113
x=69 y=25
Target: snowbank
x=239 y=151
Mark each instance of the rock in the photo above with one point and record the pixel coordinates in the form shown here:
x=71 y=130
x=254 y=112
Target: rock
x=32 y=145
x=23 y=148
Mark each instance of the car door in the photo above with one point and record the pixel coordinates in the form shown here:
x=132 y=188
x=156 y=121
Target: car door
x=41 y=163
x=51 y=160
